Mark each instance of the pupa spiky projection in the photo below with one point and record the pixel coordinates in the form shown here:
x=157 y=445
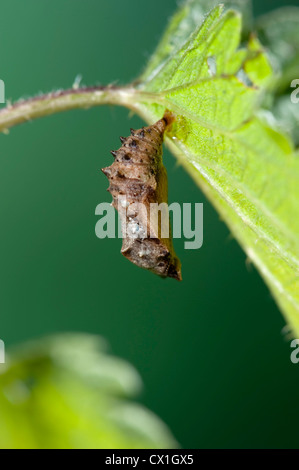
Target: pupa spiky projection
x=138 y=182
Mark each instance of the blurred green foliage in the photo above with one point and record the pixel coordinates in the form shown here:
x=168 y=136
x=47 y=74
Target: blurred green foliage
x=278 y=31
x=214 y=363
x=65 y=392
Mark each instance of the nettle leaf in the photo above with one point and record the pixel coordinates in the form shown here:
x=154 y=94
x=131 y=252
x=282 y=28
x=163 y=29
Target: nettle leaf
x=185 y=22
x=234 y=150
x=65 y=391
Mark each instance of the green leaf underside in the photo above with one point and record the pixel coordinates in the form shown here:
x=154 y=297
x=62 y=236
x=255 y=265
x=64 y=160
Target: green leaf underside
x=65 y=392
x=232 y=148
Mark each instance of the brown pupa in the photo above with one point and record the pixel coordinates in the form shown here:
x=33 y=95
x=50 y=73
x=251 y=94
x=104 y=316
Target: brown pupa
x=138 y=179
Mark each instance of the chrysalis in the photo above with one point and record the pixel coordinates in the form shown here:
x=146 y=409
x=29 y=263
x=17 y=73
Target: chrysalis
x=138 y=179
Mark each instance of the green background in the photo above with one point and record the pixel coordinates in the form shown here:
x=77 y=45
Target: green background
x=215 y=364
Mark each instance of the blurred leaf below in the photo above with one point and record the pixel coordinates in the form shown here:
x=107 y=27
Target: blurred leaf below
x=65 y=391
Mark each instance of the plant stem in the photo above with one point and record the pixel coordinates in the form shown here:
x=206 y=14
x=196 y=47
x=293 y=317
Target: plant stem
x=57 y=101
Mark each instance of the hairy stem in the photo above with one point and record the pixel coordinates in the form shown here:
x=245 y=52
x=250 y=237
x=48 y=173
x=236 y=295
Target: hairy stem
x=57 y=101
